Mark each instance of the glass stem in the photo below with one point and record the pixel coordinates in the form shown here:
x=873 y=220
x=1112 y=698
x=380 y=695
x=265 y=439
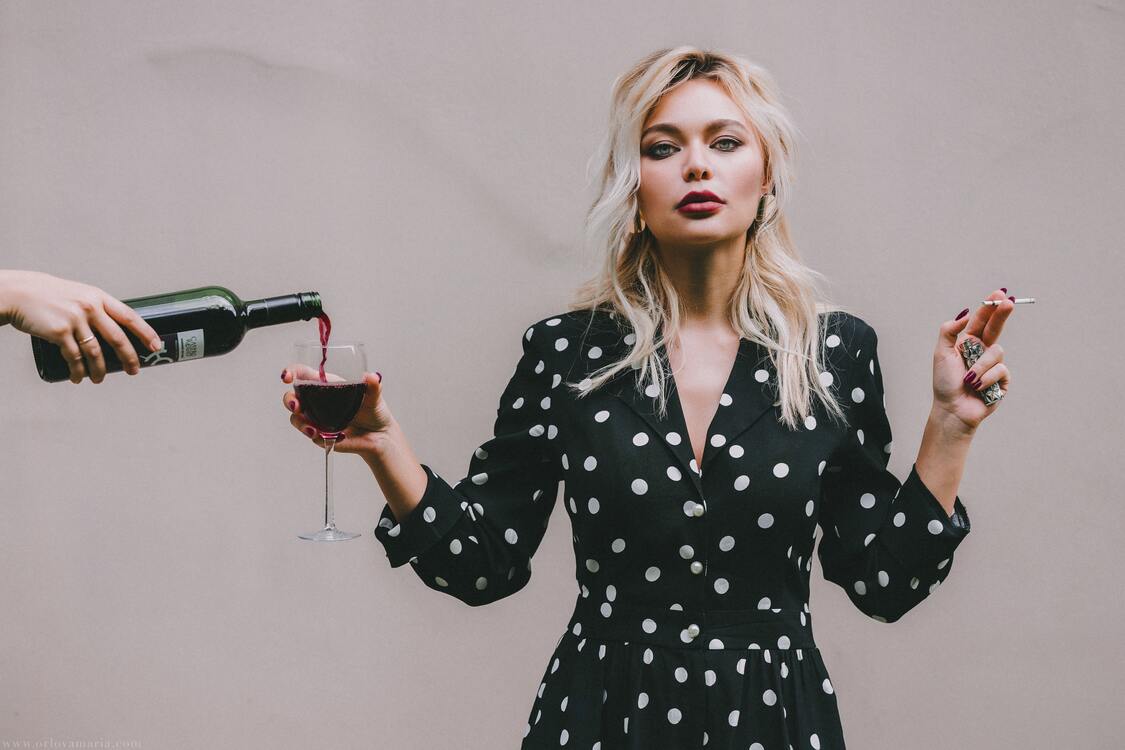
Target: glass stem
x=329 y=512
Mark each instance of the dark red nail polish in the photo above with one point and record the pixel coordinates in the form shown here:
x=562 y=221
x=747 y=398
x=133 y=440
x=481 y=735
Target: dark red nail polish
x=290 y=404
x=380 y=376
x=1004 y=289
x=283 y=375
x=310 y=431
x=1013 y=299
x=970 y=376
x=962 y=314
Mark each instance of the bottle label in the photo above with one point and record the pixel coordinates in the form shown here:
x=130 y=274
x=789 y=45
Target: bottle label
x=178 y=347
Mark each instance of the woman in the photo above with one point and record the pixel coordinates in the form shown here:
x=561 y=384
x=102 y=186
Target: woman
x=706 y=411
x=67 y=313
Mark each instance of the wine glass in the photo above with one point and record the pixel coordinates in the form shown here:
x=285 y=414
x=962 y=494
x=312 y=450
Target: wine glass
x=328 y=381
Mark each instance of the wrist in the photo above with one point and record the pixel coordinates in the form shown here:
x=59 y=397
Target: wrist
x=379 y=446
x=949 y=426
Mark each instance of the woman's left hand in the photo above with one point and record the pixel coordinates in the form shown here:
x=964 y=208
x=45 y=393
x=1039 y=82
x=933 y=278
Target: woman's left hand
x=953 y=396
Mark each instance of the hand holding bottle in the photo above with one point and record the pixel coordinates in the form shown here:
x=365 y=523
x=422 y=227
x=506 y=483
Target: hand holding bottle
x=367 y=430
x=68 y=314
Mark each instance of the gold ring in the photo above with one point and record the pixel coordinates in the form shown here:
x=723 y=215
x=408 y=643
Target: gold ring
x=91 y=337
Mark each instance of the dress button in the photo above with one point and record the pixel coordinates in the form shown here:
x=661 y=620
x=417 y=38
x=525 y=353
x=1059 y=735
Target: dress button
x=697 y=567
x=693 y=630
x=697 y=511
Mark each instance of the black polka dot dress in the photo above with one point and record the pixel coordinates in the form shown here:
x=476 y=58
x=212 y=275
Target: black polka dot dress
x=691 y=626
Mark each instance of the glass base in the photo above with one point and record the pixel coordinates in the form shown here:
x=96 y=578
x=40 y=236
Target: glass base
x=328 y=534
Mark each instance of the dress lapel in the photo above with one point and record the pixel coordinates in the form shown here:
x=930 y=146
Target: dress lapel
x=745 y=399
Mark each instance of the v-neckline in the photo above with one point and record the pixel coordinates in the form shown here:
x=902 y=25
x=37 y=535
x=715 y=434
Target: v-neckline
x=676 y=406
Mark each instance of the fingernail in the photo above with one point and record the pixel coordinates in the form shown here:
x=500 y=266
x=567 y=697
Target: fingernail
x=962 y=314
x=969 y=376
x=1013 y=299
x=283 y=373
x=290 y=404
x=156 y=345
x=310 y=431
x=1004 y=289
x=380 y=376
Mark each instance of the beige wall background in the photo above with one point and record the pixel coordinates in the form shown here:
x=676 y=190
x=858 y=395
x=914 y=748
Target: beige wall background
x=422 y=166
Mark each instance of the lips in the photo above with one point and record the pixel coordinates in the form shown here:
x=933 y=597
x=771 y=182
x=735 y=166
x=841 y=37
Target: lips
x=699 y=197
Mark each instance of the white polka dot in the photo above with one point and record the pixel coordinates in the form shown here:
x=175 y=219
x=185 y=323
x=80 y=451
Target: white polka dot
x=681 y=674
x=725 y=400
x=832 y=341
x=594 y=505
x=535 y=431
x=860 y=588
x=674 y=474
x=561 y=344
x=590 y=463
x=826 y=379
x=810 y=422
x=652 y=391
x=673 y=438
x=721 y=586
x=545 y=403
x=732 y=719
x=934 y=527
x=429 y=514
x=639 y=486
x=592 y=565
x=783 y=642
x=601 y=416
x=440 y=581
x=857 y=395
x=674 y=716
x=595 y=352
x=742 y=482
x=913 y=583
x=565 y=700
x=479 y=479
x=765 y=520
x=814 y=741
x=826 y=686
x=652 y=574
x=709 y=677
x=726 y=544
x=641 y=438
x=764 y=603
x=630 y=338
x=900 y=519
x=618 y=546
x=455 y=546
x=563 y=737
x=510 y=536
x=781 y=470
x=868 y=539
x=867 y=500
x=611 y=592
x=606 y=609
x=481 y=583
x=736 y=451
x=941 y=565
x=809 y=508
x=769 y=697
x=648 y=656
x=718 y=441
x=761 y=375
x=649 y=625
x=740 y=667
x=859 y=436
x=884 y=578
x=642 y=700
x=757 y=746
x=517 y=403
x=715 y=644
x=687 y=552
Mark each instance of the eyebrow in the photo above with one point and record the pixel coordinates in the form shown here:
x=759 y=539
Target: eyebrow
x=667 y=127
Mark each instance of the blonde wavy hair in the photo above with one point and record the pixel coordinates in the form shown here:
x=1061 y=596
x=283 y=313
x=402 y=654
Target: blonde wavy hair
x=778 y=299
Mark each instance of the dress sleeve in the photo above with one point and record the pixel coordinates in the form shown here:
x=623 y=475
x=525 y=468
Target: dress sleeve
x=888 y=544
x=474 y=540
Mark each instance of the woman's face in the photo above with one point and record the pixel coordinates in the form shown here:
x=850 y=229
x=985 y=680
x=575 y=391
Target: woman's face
x=693 y=153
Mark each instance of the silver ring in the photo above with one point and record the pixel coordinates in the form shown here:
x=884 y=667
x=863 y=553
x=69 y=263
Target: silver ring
x=91 y=337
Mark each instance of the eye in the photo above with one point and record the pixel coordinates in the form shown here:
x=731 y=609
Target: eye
x=654 y=153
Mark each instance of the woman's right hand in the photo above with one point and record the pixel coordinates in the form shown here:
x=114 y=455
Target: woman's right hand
x=366 y=433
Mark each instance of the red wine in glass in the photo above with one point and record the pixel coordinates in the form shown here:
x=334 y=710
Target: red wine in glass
x=330 y=406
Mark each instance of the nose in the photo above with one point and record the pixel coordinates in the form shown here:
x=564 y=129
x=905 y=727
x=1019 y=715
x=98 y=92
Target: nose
x=695 y=166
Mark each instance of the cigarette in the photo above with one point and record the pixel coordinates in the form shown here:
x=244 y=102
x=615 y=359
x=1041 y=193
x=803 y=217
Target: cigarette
x=1018 y=301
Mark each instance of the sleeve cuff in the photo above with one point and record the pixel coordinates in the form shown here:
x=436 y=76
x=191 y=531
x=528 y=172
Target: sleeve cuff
x=919 y=532
x=428 y=523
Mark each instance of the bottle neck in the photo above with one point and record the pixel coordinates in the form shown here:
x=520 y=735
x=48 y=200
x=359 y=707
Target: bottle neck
x=285 y=309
